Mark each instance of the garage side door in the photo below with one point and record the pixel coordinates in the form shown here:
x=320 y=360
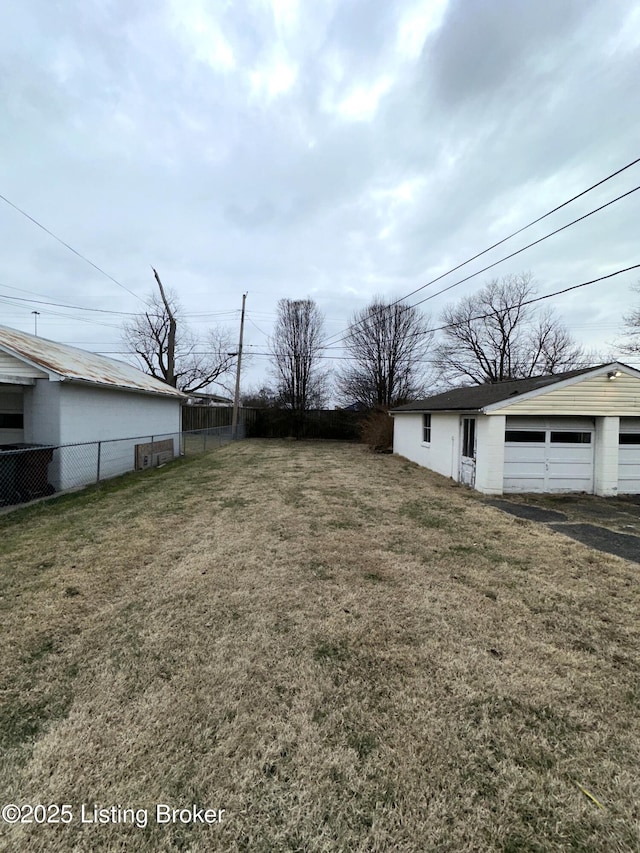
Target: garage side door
x=629 y=457
x=553 y=455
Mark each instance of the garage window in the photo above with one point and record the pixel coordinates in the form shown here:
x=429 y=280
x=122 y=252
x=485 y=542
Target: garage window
x=630 y=438
x=426 y=429
x=570 y=438
x=525 y=435
x=11 y=420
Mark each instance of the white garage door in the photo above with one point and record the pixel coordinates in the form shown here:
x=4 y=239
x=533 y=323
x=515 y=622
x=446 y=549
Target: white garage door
x=554 y=455
x=629 y=457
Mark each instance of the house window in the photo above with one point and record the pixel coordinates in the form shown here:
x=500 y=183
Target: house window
x=630 y=438
x=525 y=436
x=426 y=429
x=11 y=420
x=469 y=438
x=570 y=438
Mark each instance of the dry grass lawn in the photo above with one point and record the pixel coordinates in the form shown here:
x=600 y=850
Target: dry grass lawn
x=343 y=651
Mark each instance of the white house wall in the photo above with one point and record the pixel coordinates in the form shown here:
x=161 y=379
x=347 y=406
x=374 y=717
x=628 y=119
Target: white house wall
x=98 y=414
x=61 y=413
x=442 y=454
x=89 y=414
x=42 y=413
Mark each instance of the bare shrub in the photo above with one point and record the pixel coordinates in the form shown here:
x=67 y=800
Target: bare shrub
x=377 y=431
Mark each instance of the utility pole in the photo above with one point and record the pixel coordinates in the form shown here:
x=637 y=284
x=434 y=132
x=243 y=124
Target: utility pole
x=35 y=320
x=171 y=342
x=236 y=398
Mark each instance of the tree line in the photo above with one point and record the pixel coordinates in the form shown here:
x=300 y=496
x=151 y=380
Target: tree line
x=393 y=353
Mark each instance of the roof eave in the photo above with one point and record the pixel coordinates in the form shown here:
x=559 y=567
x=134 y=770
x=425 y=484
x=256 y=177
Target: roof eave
x=10 y=379
x=555 y=386
x=426 y=411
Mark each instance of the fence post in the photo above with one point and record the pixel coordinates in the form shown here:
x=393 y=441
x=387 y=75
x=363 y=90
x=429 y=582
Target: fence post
x=98 y=471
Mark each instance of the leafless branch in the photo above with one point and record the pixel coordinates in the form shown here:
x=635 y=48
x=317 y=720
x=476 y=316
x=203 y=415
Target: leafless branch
x=511 y=341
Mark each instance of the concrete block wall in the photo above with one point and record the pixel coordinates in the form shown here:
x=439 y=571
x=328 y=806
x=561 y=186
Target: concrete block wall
x=89 y=414
x=98 y=414
x=441 y=454
x=606 y=456
x=42 y=413
x=61 y=413
x=490 y=454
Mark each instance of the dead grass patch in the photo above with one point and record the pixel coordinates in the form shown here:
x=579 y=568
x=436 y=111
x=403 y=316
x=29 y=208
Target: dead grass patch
x=342 y=650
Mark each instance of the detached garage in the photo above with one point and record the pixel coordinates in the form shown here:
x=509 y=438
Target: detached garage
x=572 y=432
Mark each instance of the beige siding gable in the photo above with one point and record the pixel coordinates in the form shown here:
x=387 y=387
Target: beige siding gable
x=594 y=395
x=12 y=366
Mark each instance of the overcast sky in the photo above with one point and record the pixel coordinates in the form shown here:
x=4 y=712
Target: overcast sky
x=332 y=149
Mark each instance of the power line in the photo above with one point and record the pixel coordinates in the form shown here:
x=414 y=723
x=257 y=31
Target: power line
x=211 y=313
x=535 y=242
x=527 y=302
x=24 y=290
x=49 y=311
x=535 y=222
x=507 y=308
x=63 y=305
x=485 y=316
x=506 y=258
x=97 y=310
x=256 y=327
x=67 y=246
x=232 y=311
x=508 y=237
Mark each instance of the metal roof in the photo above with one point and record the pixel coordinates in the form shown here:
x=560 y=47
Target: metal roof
x=73 y=364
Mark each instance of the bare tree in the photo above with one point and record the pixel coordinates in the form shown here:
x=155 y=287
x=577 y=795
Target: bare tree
x=170 y=351
x=631 y=341
x=263 y=397
x=295 y=349
x=388 y=346
x=495 y=335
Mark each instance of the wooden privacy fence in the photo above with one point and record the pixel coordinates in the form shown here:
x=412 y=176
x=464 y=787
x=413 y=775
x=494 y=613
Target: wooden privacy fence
x=335 y=424
x=208 y=417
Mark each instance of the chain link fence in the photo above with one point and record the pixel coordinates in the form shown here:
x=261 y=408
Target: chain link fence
x=29 y=471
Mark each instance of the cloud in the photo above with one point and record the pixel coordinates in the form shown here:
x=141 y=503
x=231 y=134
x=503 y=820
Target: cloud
x=202 y=34
x=334 y=149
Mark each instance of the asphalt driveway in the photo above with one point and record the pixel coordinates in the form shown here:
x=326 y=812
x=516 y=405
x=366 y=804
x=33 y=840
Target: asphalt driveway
x=611 y=525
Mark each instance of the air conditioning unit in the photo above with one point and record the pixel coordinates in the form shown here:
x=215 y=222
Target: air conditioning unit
x=153 y=453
